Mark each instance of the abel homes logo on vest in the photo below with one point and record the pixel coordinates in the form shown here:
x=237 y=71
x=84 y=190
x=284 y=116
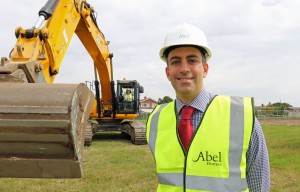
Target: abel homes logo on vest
x=210 y=159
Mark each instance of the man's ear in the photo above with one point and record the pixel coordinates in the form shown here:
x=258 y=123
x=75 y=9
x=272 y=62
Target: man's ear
x=205 y=70
x=167 y=72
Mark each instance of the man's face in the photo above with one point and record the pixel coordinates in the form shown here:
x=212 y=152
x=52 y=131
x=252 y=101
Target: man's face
x=186 y=71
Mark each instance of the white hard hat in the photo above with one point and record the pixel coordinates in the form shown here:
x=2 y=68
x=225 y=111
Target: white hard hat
x=185 y=34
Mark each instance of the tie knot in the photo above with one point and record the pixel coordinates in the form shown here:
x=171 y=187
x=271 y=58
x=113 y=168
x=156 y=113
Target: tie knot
x=187 y=112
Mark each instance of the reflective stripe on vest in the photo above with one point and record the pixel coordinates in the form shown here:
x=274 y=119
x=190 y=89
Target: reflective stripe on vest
x=154 y=122
x=238 y=118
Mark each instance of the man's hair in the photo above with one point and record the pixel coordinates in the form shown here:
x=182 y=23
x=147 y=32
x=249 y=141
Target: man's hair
x=202 y=51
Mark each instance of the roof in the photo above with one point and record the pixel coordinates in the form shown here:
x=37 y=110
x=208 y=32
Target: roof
x=148 y=99
x=293 y=108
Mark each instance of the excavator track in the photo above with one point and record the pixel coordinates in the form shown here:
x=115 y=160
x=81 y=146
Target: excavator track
x=42 y=129
x=88 y=135
x=136 y=130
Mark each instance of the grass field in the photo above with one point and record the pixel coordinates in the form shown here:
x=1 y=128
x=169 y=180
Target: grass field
x=284 y=153
x=113 y=164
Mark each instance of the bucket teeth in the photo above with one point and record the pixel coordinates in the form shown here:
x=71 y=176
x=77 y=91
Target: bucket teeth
x=42 y=129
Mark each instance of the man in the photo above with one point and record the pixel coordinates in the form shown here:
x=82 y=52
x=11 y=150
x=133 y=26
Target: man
x=128 y=98
x=128 y=95
x=203 y=142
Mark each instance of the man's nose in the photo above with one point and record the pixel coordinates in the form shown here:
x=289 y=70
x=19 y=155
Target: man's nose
x=184 y=67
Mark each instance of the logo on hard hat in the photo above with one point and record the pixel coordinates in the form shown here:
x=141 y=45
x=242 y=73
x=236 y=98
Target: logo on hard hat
x=183 y=36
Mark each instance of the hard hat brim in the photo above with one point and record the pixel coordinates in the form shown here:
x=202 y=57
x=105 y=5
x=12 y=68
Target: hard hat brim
x=163 y=55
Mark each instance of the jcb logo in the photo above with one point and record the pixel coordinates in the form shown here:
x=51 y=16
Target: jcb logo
x=210 y=159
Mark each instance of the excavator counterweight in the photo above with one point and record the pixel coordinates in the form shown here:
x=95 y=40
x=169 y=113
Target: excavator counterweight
x=42 y=129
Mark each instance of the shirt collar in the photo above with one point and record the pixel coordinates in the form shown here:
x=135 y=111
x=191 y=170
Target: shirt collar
x=200 y=102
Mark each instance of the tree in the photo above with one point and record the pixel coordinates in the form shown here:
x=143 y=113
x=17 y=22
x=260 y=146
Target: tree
x=280 y=105
x=165 y=99
x=276 y=109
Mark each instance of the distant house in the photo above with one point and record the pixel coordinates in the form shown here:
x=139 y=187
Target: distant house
x=147 y=104
x=293 y=111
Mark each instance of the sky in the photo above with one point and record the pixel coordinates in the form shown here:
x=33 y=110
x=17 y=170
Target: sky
x=255 y=44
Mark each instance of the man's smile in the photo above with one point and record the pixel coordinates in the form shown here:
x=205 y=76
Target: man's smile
x=184 y=78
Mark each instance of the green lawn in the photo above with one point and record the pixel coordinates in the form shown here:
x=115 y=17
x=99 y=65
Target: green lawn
x=113 y=164
x=284 y=152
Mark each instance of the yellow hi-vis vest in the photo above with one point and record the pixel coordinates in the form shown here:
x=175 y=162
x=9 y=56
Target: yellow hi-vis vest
x=216 y=157
x=128 y=97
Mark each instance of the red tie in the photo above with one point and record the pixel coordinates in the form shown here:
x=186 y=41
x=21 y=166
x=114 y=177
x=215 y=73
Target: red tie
x=185 y=127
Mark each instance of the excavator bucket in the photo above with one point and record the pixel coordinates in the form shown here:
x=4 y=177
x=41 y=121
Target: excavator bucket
x=42 y=129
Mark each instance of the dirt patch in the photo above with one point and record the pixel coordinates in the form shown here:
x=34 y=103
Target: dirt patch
x=288 y=122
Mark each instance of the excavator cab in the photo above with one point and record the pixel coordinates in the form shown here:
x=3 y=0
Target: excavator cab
x=128 y=96
x=120 y=114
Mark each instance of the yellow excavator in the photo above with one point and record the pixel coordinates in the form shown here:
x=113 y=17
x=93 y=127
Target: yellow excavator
x=43 y=125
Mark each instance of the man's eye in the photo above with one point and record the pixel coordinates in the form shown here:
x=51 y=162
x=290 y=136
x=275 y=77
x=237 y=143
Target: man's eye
x=192 y=61
x=175 y=62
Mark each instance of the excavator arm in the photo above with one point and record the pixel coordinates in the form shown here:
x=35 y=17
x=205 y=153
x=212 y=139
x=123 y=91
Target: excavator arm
x=42 y=125
x=46 y=45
